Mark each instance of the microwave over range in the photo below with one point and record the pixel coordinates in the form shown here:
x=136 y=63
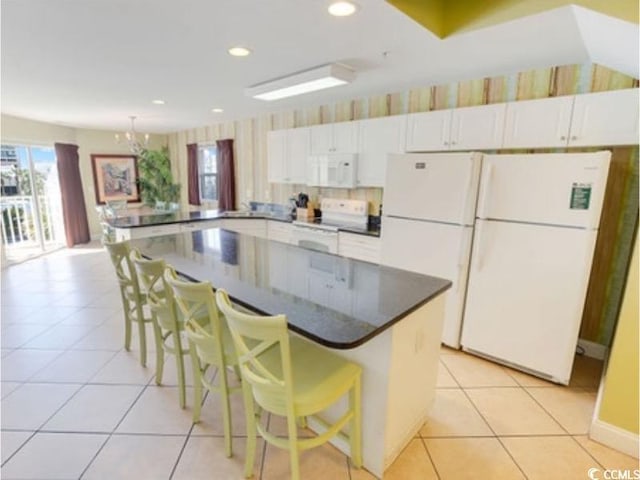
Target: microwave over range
x=336 y=170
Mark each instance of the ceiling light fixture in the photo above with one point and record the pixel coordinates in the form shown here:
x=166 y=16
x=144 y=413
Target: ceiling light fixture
x=342 y=9
x=239 y=51
x=136 y=146
x=319 y=78
x=158 y=102
x=217 y=110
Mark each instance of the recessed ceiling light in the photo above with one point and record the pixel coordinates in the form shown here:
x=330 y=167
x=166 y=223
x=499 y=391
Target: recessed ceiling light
x=158 y=102
x=342 y=9
x=239 y=51
x=217 y=110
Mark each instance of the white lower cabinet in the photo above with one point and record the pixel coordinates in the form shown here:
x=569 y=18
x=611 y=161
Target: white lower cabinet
x=360 y=247
x=255 y=226
x=201 y=225
x=145 y=232
x=279 y=231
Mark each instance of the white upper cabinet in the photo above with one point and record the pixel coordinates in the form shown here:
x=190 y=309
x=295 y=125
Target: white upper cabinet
x=605 y=118
x=287 y=154
x=478 y=128
x=334 y=138
x=276 y=153
x=538 y=123
x=378 y=138
x=428 y=131
x=468 y=128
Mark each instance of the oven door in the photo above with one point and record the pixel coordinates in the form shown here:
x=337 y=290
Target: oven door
x=315 y=239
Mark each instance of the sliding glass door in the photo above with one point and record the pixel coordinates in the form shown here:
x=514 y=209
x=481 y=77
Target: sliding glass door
x=29 y=201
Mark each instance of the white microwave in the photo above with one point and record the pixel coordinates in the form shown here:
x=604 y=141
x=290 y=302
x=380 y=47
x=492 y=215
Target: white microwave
x=337 y=170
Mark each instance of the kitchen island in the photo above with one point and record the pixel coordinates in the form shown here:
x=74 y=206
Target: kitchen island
x=387 y=320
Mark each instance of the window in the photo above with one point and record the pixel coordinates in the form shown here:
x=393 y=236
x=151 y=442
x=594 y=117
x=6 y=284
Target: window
x=207 y=171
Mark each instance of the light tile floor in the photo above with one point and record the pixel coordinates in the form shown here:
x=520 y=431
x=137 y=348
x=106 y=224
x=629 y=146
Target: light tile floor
x=76 y=405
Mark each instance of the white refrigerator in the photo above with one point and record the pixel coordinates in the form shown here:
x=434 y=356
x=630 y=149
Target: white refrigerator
x=429 y=204
x=535 y=232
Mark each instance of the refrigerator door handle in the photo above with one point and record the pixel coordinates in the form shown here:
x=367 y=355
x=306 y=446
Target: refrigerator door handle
x=461 y=260
x=485 y=192
x=480 y=252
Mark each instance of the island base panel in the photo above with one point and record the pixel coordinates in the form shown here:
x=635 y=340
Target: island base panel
x=400 y=368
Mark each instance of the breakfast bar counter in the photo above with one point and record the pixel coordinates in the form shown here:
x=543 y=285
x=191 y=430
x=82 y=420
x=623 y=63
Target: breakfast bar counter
x=387 y=320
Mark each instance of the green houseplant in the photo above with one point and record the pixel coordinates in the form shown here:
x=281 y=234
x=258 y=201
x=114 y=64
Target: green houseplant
x=155 y=177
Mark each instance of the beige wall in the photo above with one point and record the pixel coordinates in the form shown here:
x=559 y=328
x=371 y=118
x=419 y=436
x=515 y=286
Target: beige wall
x=28 y=132
x=619 y=404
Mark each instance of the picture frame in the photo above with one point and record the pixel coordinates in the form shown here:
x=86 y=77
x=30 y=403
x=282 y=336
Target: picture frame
x=115 y=177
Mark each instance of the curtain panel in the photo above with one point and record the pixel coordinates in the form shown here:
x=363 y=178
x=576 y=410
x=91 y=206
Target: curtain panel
x=193 y=179
x=74 y=212
x=226 y=175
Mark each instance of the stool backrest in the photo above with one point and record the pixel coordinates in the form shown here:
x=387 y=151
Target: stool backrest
x=193 y=300
x=262 y=347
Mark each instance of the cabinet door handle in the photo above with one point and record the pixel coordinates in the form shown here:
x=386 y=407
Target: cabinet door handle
x=446 y=143
x=573 y=137
x=453 y=143
x=563 y=137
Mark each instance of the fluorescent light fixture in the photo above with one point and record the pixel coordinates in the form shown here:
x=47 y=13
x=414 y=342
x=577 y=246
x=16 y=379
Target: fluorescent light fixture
x=158 y=102
x=217 y=110
x=319 y=78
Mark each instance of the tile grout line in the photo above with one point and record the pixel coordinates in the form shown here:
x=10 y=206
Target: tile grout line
x=433 y=464
x=109 y=436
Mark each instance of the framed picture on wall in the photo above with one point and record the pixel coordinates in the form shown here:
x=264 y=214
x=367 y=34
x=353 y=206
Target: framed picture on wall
x=115 y=178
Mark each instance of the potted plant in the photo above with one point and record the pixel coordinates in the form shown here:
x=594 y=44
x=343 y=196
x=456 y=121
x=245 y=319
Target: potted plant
x=155 y=178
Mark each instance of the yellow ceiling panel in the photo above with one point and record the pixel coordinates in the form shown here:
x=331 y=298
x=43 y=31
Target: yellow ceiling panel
x=445 y=17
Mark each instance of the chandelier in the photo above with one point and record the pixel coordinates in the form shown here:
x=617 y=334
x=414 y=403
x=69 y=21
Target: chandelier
x=136 y=146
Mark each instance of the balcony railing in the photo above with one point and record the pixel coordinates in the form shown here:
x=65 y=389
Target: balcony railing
x=19 y=227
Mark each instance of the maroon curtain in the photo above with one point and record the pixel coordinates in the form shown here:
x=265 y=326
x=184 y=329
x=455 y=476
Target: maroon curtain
x=74 y=212
x=193 y=179
x=226 y=175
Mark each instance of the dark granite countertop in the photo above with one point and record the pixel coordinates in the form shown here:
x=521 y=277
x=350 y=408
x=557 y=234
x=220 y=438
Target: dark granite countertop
x=335 y=301
x=161 y=218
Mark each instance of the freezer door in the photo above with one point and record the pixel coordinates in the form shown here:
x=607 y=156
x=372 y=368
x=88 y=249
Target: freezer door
x=554 y=189
x=433 y=249
x=439 y=187
x=526 y=293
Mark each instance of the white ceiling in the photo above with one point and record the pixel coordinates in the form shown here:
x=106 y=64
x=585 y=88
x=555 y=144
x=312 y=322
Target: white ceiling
x=92 y=63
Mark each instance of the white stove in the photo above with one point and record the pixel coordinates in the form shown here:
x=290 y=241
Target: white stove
x=323 y=235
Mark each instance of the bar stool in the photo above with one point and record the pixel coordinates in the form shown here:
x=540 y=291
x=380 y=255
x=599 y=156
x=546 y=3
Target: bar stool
x=132 y=299
x=167 y=327
x=210 y=345
x=293 y=378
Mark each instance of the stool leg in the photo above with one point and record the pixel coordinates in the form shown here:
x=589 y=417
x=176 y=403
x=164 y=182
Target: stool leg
x=250 y=416
x=294 y=452
x=143 y=335
x=127 y=324
x=159 y=351
x=197 y=382
x=179 y=353
x=356 y=423
x=226 y=409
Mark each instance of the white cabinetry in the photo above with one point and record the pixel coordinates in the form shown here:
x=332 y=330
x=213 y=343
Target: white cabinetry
x=605 y=118
x=255 y=226
x=360 y=247
x=145 y=232
x=334 y=138
x=279 y=231
x=538 y=123
x=200 y=225
x=592 y=119
x=378 y=138
x=287 y=153
x=468 y=128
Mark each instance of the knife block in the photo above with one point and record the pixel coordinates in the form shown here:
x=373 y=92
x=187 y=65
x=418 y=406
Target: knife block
x=304 y=213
